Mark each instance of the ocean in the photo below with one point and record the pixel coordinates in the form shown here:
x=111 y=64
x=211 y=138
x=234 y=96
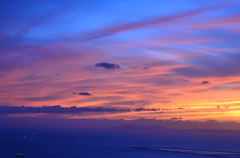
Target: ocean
x=95 y=144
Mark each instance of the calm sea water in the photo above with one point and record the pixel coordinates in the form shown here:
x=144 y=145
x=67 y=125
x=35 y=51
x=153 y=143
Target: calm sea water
x=82 y=144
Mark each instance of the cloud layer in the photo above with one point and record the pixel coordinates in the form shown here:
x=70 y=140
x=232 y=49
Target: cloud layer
x=69 y=110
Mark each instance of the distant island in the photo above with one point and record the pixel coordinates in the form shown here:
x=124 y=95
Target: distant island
x=135 y=129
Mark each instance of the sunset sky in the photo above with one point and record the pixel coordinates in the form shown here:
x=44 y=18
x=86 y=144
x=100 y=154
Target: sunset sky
x=128 y=59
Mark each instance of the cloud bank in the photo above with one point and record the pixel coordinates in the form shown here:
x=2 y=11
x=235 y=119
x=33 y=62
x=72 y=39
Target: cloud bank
x=61 y=110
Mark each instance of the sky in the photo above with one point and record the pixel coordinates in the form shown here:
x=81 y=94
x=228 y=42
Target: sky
x=120 y=60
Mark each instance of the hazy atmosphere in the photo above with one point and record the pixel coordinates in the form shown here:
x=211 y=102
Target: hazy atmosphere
x=119 y=78
x=150 y=62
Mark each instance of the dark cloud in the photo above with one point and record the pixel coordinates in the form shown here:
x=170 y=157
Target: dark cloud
x=61 y=110
x=143 y=109
x=176 y=118
x=84 y=93
x=205 y=82
x=56 y=109
x=107 y=65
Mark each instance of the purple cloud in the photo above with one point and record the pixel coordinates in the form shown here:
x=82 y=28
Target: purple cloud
x=107 y=65
x=84 y=93
x=56 y=109
x=64 y=110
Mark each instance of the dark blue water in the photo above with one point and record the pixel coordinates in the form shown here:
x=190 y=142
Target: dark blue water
x=83 y=144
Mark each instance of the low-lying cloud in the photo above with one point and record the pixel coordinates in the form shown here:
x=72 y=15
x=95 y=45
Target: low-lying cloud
x=61 y=110
x=176 y=118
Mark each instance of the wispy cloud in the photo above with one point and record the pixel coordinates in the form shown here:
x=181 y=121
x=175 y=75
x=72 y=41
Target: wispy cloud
x=144 y=23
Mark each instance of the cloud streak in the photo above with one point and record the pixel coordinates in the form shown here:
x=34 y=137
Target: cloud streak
x=144 y=23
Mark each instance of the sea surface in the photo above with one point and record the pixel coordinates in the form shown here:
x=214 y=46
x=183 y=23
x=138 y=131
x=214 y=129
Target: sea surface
x=94 y=144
